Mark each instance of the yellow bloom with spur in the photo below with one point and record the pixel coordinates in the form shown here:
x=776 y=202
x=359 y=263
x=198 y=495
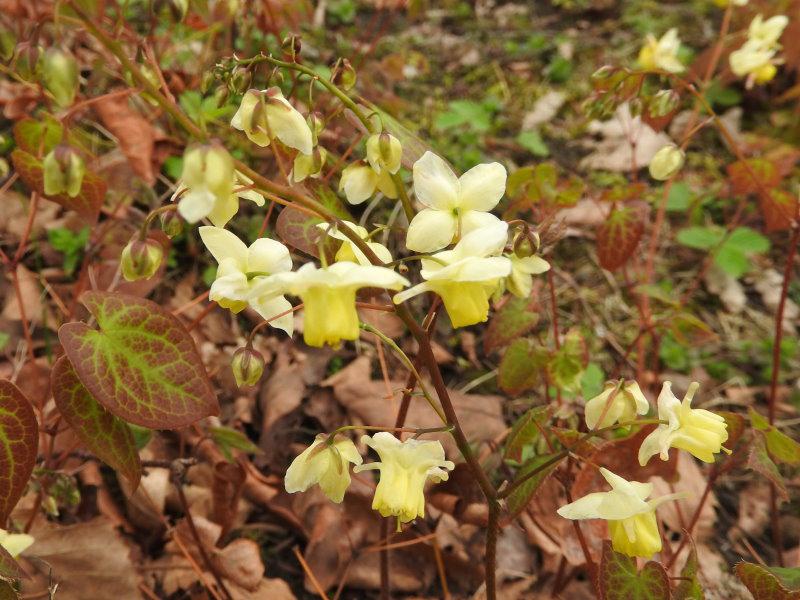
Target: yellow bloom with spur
x=326 y=464
x=662 y=53
x=454 y=206
x=195 y=205
x=700 y=432
x=631 y=517
x=618 y=402
x=360 y=181
x=466 y=276
x=405 y=468
x=266 y=115
x=348 y=251
x=329 y=296
x=241 y=268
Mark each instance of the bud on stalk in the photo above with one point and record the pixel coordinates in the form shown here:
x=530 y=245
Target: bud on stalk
x=247 y=366
x=141 y=258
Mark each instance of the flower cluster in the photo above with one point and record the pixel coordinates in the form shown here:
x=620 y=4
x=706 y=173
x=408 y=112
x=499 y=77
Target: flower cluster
x=404 y=468
x=662 y=53
x=756 y=60
x=631 y=517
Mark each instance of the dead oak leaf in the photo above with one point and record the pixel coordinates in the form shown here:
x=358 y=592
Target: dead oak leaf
x=135 y=134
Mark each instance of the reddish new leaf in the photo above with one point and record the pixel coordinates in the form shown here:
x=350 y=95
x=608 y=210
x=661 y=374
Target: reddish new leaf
x=38 y=137
x=770 y=583
x=619 y=236
x=779 y=209
x=19 y=440
x=516 y=318
x=753 y=175
x=87 y=203
x=107 y=436
x=521 y=367
x=619 y=579
x=9 y=568
x=141 y=365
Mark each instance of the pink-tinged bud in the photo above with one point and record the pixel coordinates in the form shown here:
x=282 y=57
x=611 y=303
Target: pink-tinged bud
x=240 y=80
x=343 y=74
x=291 y=47
x=141 y=259
x=247 y=366
x=171 y=223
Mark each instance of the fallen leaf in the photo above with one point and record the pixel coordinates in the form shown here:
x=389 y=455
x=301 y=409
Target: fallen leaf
x=135 y=134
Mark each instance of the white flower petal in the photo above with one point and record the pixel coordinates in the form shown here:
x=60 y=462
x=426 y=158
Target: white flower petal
x=269 y=256
x=288 y=125
x=269 y=307
x=472 y=220
x=435 y=184
x=223 y=244
x=431 y=230
x=196 y=205
x=482 y=187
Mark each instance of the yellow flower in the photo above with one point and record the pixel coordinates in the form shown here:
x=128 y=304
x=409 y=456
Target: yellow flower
x=631 y=517
x=756 y=59
x=359 y=182
x=384 y=152
x=267 y=115
x=466 y=276
x=661 y=53
x=241 y=268
x=15 y=543
x=454 y=205
x=618 y=402
x=520 y=281
x=767 y=32
x=324 y=464
x=329 y=296
x=219 y=209
x=348 y=251
x=666 y=162
x=404 y=469
x=309 y=165
x=698 y=431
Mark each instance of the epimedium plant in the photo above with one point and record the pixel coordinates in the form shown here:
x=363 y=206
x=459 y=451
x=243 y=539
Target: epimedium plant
x=135 y=364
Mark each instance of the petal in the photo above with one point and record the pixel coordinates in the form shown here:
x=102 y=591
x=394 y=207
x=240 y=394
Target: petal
x=358 y=182
x=483 y=269
x=268 y=256
x=587 y=507
x=233 y=286
x=351 y=274
x=269 y=307
x=418 y=289
x=431 y=230
x=348 y=451
x=483 y=242
x=472 y=220
x=224 y=210
x=223 y=244
x=534 y=265
x=245 y=111
x=386 y=185
x=435 y=184
x=196 y=204
x=652 y=445
x=482 y=187
x=289 y=126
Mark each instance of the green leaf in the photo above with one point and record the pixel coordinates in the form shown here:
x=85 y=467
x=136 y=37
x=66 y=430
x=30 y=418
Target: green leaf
x=70 y=244
x=732 y=260
x=619 y=579
x=769 y=583
x=592 y=380
x=521 y=366
x=559 y=69
x=689 y=587
x=532 y=142
x=88 y=201
x=680 y=197
x=701 y=237
x=38 y=137
x=105 y=435
x=780 y=446
x=525 y=432
x=141 y=364
x=515 y=319
x=748 y=241
x=519 y=498
x=759 y=460
x=227 y=439
x=566 y=365
x=19 y=441
x=475 y=115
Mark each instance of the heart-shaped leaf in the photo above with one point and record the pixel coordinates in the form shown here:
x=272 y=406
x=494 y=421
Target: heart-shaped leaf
x=19 y=440
x=619 y=579
x=9 y=568
x=88 y=201
x=521 y=367
x=770 y=583
x=141 y=365
x=619 y=236
x=38 y=137
x=107 y=436
x=753 y=175
x=515 y=319
x=779 y=208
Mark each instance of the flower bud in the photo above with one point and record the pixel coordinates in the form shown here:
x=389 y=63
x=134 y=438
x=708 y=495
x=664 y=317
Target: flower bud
x=316 y=123
x=663 y=103
x=666 y=162
x=240 y=80
x=207 y=80
x=141 y=259
x=8 y=43
x=171 y=223
x=309 y=165
x=221 y=95
x=291 y=46
x=343 y=74
x=247 y=366
x=526 y=243
x=63 y=172
x=384 y=152
x=603 y=73
x=59 y=71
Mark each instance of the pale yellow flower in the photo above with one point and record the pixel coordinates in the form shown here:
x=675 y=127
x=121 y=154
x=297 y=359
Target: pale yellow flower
x=700 y=432
x=631 y=517
x=666 y=162
x=15 y=543
x=661 y=53
x=348 y=251
x=323 y=464
x=384 y=153
x=201 y=203
x=405 y=467
x=618 y=402
x=520 y=281
x=359 y=181
x=267 y=115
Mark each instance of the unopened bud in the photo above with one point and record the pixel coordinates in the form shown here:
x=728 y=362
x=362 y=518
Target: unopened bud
x=8 y=43
x=141 y=259
x=309 y=165
x=240 y=80
x=603 y=73
x=221 y=95
x=171 y=223
x=663 y=103
x=59 y=71
x=247 y=366
x=207 y=80
x=63 y=172
x=666 y=162
x=291 y=46
x=526 y=243
x=343 y=74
